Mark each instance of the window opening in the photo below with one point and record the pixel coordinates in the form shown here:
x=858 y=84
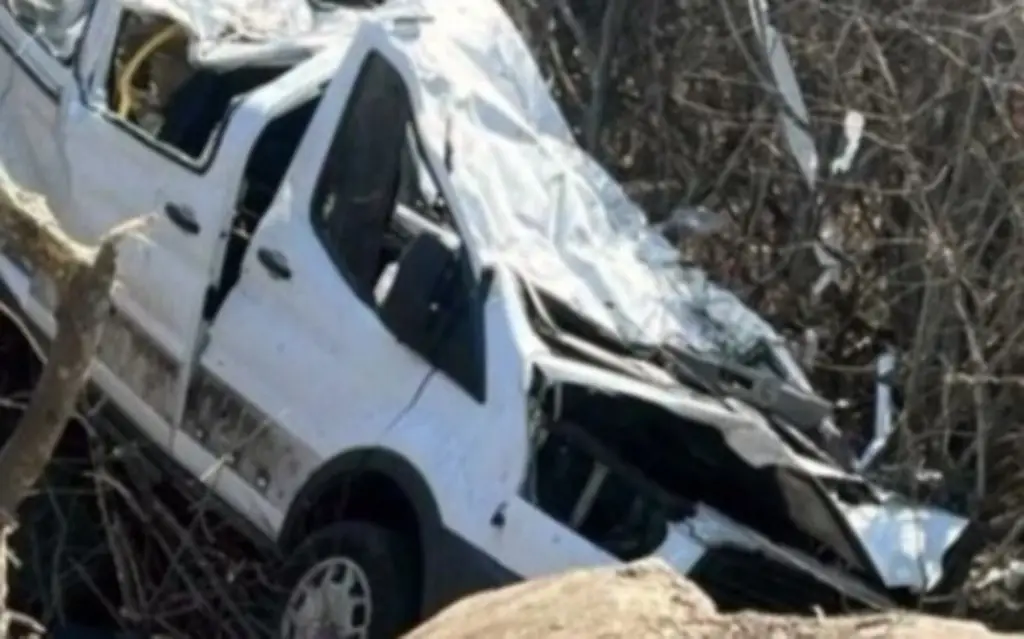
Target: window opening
x=155 y=89
x=265 y=170
x=377 y=210
x=356 y=195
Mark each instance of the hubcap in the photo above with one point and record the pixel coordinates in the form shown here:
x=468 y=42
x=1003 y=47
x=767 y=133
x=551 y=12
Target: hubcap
x=331 y=601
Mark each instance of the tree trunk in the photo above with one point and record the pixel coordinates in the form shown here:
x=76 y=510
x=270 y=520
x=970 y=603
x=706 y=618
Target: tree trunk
x=84 y=278
x=81 y=309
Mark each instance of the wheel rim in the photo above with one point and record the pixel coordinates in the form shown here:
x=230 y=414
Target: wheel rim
x=330 y=601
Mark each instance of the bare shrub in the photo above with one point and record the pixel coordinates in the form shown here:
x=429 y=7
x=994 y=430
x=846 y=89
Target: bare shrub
x=927 y=222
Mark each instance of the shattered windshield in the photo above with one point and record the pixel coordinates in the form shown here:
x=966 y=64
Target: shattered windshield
x=539 y=204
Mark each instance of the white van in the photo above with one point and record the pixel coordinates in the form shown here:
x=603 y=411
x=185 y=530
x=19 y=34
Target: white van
x=412 y=337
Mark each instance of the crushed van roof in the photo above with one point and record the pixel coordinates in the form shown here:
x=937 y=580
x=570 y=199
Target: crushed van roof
x=534 y=198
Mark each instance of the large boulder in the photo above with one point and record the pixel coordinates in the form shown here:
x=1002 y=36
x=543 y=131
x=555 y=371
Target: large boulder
x=648 y=600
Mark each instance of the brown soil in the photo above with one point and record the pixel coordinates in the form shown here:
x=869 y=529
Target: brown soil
x=648 y=600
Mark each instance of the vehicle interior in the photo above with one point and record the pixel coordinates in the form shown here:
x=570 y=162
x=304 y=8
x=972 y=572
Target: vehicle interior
x=158 y=93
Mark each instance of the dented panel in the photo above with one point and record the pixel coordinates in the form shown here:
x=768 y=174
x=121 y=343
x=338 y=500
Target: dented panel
x=243 y=438
x=238 y=435
x=140 y=364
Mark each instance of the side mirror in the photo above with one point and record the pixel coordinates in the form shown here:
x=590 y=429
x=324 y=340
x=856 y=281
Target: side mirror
x=418 y=302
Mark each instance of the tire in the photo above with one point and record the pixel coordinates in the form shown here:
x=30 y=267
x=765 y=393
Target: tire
x=351 y=553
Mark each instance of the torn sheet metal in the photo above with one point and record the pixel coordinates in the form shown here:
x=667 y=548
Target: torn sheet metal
x=906 y=544
x=885 y=367
x=717 y=529
x=795 y=119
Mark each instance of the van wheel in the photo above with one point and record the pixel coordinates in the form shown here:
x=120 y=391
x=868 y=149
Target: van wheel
x=355 y=580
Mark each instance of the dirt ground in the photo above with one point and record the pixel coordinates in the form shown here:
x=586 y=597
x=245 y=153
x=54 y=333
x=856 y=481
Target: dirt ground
x=647 y=600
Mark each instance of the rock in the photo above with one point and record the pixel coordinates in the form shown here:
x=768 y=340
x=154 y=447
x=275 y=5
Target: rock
x=647 y=600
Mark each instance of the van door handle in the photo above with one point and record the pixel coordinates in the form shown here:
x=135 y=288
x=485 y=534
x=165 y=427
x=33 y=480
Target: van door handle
x=183 y=217
x=275 y=263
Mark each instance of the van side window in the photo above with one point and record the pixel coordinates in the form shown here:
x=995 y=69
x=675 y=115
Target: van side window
x=56 y=25
x=161 y=95
x=356 y=194
x=374 y=198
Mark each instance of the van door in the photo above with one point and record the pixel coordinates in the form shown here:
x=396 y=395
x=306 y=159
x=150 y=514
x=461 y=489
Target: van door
x=122 y=170
x=298 y=366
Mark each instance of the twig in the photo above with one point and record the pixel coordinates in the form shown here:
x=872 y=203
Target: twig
x=611 y=24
